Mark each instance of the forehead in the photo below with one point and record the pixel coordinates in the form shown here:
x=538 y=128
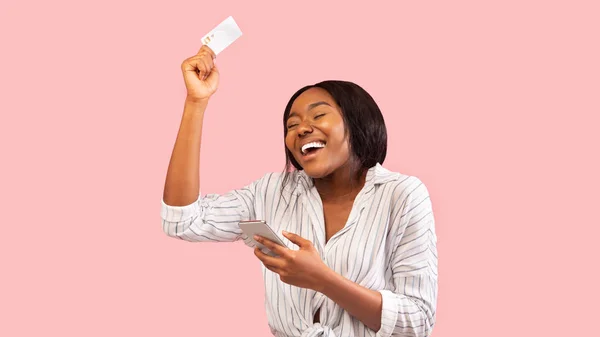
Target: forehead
x=312 y=95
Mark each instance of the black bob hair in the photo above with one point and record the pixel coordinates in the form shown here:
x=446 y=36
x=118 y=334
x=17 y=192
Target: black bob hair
x=363 y=121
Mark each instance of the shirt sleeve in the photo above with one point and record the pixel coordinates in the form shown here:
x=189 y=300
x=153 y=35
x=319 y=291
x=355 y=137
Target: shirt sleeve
x=213 y=217
x=409 y=308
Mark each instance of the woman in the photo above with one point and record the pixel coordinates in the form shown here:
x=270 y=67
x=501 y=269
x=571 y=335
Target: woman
x=361 y=256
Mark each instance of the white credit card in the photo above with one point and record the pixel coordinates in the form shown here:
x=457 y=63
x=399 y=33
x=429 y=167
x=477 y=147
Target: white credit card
x=222 y=35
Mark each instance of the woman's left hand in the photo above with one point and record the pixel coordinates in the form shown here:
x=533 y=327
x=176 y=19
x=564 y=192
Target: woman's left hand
x=302 y=268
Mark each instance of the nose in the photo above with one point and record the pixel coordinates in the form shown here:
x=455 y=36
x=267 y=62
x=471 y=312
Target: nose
x=304 y=128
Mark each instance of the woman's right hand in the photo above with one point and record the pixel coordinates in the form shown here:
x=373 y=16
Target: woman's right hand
x=200 y=74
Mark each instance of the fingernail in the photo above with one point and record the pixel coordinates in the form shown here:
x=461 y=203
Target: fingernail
x=284 y=232
x=256 y=237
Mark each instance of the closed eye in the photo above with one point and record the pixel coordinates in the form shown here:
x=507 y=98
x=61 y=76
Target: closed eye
x=319 y=116
x=291 y=126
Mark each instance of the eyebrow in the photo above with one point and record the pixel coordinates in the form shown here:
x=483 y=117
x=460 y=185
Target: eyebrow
x=310 y=106
x=316 y=104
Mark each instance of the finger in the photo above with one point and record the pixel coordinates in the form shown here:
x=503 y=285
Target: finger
x=206 y=68
x=297 y=239
x=204 y=65
x=195 y=64
x=267 y=260
x=213 y=73
x=190 y=64
x=275 y=248
x=209 y=60
x=261 y=256
x=208 y=64
x=204 y=62
x=212 y=53
x=206 y=50
x=273 y=269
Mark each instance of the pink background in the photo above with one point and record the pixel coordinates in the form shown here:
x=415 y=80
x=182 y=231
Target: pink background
x=494 y=106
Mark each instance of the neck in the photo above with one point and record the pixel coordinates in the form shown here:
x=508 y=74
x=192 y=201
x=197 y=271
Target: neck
x=341 y=185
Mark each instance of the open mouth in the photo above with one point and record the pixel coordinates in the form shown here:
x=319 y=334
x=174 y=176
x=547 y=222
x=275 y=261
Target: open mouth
x=312 y=147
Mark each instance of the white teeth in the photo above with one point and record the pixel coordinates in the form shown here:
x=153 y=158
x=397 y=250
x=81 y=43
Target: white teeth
x=312 y=145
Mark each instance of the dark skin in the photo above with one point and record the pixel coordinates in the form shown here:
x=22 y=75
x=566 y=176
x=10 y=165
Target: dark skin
x=336 y=193
x=316 y=117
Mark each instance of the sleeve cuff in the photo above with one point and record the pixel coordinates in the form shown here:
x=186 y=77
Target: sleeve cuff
x=389 y=313
x=179 y=213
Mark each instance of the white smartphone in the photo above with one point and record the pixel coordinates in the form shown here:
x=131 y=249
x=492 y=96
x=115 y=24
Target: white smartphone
x=260 y=227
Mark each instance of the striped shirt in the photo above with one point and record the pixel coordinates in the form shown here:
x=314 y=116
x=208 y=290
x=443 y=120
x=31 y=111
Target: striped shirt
x=388 y=245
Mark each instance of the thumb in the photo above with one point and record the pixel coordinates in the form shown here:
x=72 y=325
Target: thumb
x=297 y=239
x=214 y=73
x=213 y=78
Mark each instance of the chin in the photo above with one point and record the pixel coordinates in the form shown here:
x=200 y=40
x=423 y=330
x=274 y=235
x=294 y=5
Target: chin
x=316 y=171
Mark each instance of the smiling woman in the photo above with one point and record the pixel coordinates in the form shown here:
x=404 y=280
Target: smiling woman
x=339 y=113
x=360 y=255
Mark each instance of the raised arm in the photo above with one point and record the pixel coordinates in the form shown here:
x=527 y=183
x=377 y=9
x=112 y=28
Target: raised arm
x=201 y=78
